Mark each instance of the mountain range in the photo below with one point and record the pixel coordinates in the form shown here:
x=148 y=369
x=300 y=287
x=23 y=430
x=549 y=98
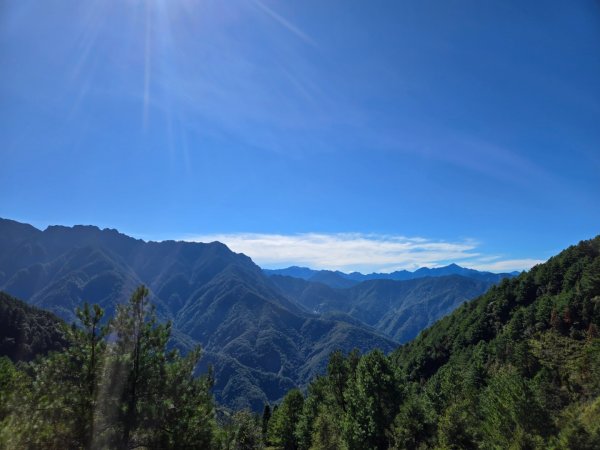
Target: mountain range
x=516 y=368
x=399 y=309
x=259 y=342
x=263 y=334
x=339 y=279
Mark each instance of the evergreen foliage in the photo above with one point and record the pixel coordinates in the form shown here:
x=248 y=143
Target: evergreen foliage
x=282 y=426
x=27 y=331
x=241 y=431
x=126 y=391
x=518 y=367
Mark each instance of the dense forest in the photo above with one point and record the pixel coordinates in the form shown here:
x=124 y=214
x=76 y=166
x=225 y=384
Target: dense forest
x=27 y=331
x=113 y=386
x=518 y=367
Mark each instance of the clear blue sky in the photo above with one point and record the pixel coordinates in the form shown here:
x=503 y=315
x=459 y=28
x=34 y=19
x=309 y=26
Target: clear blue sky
x=472 y=122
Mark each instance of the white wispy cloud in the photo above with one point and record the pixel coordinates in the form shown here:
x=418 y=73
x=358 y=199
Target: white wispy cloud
x=360 y=252
x=285 y=23
x=505 y=265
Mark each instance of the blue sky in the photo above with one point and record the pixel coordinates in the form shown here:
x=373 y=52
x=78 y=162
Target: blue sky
x=339 y=134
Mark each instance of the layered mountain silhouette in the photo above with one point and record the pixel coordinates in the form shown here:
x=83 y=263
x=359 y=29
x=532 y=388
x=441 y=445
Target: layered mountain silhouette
x=399 y=309
x=263 y=333
x=337 y=279
x=399 y=304
x=260 y=342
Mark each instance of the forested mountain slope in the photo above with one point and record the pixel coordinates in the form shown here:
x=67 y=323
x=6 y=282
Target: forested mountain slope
x=399 y=309
x=519 y=367
x=260 y=342
x=26 y=332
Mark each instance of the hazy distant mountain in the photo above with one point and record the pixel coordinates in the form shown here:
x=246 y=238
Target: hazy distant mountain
x=339 y=279
x=260 y=342
x=400 y=309
x=399 y=304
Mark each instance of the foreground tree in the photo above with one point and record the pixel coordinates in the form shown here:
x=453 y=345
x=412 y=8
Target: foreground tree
x=57 y=395
x=372 y=399
x=266 y=417
x=282 y=426
x=129 y=391
x=150 y=395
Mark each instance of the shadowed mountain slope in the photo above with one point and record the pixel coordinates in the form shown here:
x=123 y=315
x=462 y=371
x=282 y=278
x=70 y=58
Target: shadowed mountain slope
x=26 y=331
x=260 y=342
x=399 y=309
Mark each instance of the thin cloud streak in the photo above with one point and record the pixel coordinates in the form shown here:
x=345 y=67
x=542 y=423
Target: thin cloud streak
x=360 y=252
x=285 y=23
x=147 y=65
x=507 y=265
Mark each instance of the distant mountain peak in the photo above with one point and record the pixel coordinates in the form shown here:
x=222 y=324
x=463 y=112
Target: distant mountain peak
x=54 y=228
x=338 y=279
